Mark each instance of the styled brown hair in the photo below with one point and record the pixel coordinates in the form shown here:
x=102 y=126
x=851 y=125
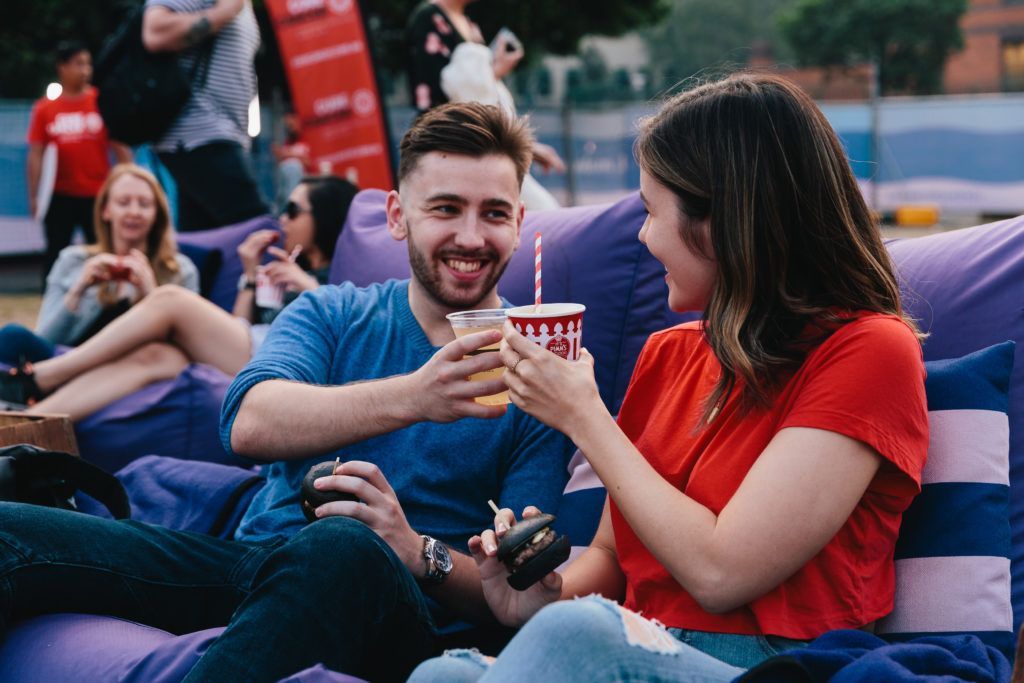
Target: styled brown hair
x=795 y=245
x=161 y=248
x=470 y=128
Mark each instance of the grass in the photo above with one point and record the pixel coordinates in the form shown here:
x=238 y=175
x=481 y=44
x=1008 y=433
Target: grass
x=19 y=308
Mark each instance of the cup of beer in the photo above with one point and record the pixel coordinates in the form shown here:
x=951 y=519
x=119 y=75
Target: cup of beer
x=469 y=322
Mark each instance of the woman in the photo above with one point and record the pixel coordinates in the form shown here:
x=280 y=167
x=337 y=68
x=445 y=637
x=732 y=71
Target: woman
x=91 y=285
x=763 y=456
x=448 y=61
x=174 y=327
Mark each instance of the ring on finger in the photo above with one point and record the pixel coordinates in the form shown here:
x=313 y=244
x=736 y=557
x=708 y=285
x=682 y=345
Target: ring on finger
x=515 y=365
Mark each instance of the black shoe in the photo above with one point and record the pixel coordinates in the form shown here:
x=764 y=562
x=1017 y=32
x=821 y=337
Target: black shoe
x=18 y=385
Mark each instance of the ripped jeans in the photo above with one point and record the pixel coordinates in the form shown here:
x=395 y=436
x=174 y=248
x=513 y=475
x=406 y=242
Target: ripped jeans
x=594 y=639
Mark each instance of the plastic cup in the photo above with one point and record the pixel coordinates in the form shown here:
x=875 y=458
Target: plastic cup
x=268 y=295
x=470 y=322
x=555 y=327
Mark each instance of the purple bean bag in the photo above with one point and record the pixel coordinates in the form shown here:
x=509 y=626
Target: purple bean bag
x=967 y=287
x=176 y=417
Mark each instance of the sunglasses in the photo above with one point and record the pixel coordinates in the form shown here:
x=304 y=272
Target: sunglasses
x=293 y=210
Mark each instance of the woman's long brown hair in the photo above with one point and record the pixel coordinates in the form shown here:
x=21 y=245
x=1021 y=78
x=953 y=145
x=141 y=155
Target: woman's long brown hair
x=161 y=248
x=792 y=237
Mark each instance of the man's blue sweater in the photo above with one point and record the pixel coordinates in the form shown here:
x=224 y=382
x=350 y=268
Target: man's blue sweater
x=443 y=474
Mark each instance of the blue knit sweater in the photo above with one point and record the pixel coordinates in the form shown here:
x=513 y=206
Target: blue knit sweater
x=443 y=474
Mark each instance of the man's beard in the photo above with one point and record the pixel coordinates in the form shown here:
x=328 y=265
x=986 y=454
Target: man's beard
x=425 y=271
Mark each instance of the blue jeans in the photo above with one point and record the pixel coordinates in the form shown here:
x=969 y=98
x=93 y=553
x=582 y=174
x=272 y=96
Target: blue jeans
x=334 y=593
x=595 y=640
x=19 y=344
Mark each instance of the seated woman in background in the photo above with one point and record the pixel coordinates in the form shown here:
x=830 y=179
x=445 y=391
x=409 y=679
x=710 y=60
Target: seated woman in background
x=90 y=285
x=764 y=455
x=174 y=326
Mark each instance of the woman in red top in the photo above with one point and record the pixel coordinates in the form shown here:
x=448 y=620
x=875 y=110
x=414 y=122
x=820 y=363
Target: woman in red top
x=764 y=455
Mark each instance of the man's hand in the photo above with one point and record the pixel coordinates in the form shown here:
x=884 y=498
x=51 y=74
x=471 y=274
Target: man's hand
x=377 y=508
x=547 y=158
x=510 y=607
x=440 y=391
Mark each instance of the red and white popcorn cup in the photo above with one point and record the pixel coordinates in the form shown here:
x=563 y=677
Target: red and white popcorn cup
x=555 y=327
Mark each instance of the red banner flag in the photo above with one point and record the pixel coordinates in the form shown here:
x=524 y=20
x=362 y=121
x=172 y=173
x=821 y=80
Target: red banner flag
x=334 y=89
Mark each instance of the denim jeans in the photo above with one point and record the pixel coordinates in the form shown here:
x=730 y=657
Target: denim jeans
x=594 y=640
x=334 y=593
x=19 y=344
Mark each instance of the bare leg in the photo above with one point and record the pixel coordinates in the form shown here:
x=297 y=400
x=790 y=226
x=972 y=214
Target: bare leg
x=101 y=386
x=206 y=334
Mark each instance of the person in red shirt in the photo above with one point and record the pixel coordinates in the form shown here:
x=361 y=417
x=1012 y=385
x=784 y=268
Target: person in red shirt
x=763 y=455
x=72 y=122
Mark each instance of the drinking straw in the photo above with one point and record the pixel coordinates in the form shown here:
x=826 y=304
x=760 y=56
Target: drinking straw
x=536 y=273
x=294 y=255
x=337 y=461
x=493 y=506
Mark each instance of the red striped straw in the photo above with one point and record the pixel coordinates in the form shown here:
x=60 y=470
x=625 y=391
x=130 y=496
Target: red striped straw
x=536 y=272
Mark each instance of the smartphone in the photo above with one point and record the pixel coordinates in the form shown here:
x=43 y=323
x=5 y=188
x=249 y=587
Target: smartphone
x=512 y=43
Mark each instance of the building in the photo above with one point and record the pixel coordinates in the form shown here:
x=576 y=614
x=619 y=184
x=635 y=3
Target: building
x=993 y=56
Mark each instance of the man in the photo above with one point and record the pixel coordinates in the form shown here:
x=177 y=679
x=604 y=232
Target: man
x=72 y=122
x=356 y=374
x=206 y=148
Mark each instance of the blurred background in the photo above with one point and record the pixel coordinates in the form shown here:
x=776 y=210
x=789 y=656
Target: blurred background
x=927 y=95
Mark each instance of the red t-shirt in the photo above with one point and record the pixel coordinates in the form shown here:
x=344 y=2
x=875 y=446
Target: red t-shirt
x=866 y=381
x=76 y=127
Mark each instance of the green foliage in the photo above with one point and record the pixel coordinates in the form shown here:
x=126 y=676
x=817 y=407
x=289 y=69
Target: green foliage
x=909 y=40
x=708 y=37
x=31 y=29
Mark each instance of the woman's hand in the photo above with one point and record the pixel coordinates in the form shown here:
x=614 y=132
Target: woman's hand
x=140 y=272
x=510 y=607
x=95 y=270
x=505 y=60
x=252 y=248
x=285 y=271
x=556 y=391
x=547 y=158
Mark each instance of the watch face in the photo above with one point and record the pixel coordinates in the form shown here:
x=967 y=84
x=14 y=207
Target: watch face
x=442 y=558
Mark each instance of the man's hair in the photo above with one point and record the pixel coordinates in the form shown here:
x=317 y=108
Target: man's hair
x=66 y=49
x=469 y=128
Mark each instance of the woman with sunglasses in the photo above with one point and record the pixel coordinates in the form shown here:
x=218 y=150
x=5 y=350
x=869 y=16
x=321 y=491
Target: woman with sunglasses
x=173 y=326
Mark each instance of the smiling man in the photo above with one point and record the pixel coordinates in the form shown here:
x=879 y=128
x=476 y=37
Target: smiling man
x=373 y=376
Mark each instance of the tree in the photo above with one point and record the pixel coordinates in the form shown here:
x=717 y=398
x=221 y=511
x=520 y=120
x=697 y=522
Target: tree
x=908 y=40
x=707 y=37
x=31 y=31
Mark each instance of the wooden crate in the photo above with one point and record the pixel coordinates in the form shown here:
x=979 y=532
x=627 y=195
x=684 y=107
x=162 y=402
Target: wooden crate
x=52 y=432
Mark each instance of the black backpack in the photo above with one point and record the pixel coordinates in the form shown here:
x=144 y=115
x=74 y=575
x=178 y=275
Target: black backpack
x=29 y=474
x=141 y=93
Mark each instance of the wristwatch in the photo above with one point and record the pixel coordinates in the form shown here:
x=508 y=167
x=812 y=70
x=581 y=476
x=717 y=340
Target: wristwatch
x=246 y=282
x=439 y=561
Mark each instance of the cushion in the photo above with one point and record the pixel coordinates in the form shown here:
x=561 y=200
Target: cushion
x=204 y=497
x=176 y=417
x=224 y=287
x=967 y=289
x=952 y=556
x=591 y=256
x=953 y=552
x=207 y=261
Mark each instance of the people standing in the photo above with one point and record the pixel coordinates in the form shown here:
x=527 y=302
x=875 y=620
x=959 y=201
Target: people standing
x=437 y=35
x=206 y=148
x=73 y=123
